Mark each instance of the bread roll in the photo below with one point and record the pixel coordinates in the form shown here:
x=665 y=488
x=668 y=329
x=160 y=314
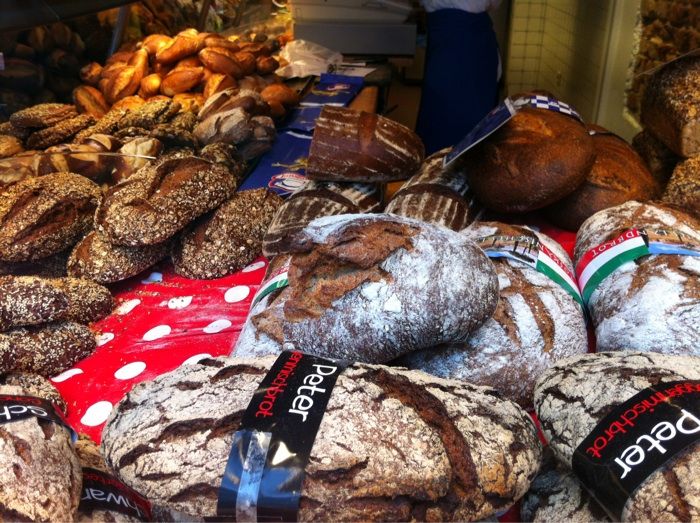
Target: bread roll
x=535 y=159
x=393 y=445
x=379 y=286
x=650 y=304
x=683 y=190
x=353 y=146
x=39 y=471
x=572 y=397
x=536 y=323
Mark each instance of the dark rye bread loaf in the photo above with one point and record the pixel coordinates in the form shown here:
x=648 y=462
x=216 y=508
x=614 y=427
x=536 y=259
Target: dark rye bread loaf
x=47 y=349
x=671 y=104
x=393 y=445
x=31 y=300
x=39 y=471
x=683 y=190
x=536 y=323
x=45 y=215
x=316 y=200
x=95 y=258
x=228 y=239
x=379 y=286
x=535 y=159
x=575 y=394
x=659 y=159
x=53 y=266
x=652 y=303
x=617 y=176
x=436 y=195
x=152 y=205
x=354 y=146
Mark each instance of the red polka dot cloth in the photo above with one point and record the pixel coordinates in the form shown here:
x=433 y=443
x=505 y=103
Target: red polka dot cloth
x=161 y=321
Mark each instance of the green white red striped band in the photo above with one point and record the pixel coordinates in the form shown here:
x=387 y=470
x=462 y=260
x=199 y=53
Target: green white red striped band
x=276 y=280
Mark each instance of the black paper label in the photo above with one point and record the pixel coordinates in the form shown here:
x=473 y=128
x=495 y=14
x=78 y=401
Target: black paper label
x=16 y=408
x=102 y=491
x=265 y=469
x=637 y=438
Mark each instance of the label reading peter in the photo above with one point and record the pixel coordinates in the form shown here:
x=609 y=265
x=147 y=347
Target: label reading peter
x=636 y=439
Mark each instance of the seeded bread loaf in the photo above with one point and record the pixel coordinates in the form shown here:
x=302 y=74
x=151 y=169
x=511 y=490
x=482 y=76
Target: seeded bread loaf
x=316 y=200
x=574 y=395
x=45 y=215
x=47 y=349
x=536 y=323
x=670 y=106
x=683 y=190
x=31 y=300
x=228 y=239
x=436 y=195
x=161 y=199
x=53 y=266
x=379 y=286
x=39 y=471
x=393 y=445
x=354 y=146
x=652 y=303
x=659 y=159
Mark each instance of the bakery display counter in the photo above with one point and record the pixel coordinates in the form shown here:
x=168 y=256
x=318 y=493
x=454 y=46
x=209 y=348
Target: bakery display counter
x=25 y=14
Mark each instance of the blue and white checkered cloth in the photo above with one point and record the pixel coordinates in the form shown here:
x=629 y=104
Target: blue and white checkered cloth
x=540 y=101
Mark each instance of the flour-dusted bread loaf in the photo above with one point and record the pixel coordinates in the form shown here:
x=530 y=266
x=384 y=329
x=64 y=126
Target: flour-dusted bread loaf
x=39 y=471
x=660 y=160
x=436 y=195
x=683 y=190
x=393 y=445
x=151 y=206
x=355 y=146
x=535 y=159
x=31 y=300
x=316 y=200
x=618 y=175
x=576 y=394
x=228 y=239
x=379 y=286
x=46 y=349
x=45 y=215
x=536 y=323
x=671 y=106
x=652 y=303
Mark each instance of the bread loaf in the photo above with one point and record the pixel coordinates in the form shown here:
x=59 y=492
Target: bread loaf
x=652 y=303
x=393 y=445
x=536 y=323
x=227 y=240
x=94 y=258
x=82 y=158
x=63 y=131
x=683 y=190
x=316 y=200
x=670 y=106
x=355 y=146
x=660 y=160
x=31 y=300
x=618 y=175
x=53 y=266
x=573 y=397
x=535 y=159
x=43 y=115
x=42 y=216
x=89 y=100
x=436 y=195
x=379 y=286
x=39 y=471
x=9 y=146
x=136 y=152
x=153 y=205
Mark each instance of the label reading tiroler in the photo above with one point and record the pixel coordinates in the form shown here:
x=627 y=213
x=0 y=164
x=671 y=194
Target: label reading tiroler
x=270 y=450
x=533 y=253
x=16 y=408
x=637 y=438
x=101 y=491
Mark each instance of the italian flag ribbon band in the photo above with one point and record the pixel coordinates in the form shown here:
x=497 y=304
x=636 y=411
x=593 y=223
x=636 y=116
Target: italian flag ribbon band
x=277 y=280
x=601 y=261
x=531 y=252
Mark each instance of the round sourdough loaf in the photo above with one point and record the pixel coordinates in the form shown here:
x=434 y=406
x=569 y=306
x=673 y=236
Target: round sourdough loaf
x=652 y=303
x=574 y=395
x=617 y=176
x=39 y=471
x=536 y=323
x=683 y=190
x=535 y=159
x=393 y=444
x=379 y=286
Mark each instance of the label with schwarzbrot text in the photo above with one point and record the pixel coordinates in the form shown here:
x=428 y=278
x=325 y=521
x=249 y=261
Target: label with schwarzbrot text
x=14 y=407
x=102 y=491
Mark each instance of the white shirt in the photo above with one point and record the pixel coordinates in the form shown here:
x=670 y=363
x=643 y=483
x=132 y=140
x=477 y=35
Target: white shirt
x=471 y=6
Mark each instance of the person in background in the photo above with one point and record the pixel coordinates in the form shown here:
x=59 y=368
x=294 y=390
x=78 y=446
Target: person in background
x=462 y=69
